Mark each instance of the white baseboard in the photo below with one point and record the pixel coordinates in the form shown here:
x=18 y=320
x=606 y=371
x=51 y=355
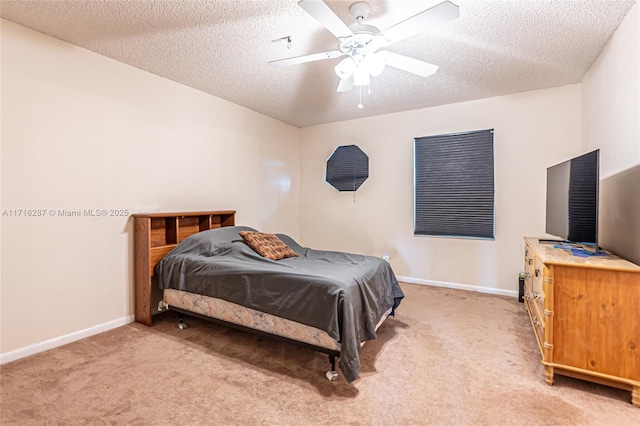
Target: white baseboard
x=63 y=340
x=410 y=280
x=100 y=328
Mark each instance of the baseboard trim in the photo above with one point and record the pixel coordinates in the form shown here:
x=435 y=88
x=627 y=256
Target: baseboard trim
x=100 y=328
x=63 y=340
x=467 y=287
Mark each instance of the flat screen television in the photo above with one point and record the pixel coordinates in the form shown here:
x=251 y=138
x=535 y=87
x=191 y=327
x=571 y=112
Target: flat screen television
x=572 y=200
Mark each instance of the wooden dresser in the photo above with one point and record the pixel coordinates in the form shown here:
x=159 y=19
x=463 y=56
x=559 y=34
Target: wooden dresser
x=154 y=236
x=585 y=314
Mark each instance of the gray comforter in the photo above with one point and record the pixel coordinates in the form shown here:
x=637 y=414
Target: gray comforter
x=343 y=294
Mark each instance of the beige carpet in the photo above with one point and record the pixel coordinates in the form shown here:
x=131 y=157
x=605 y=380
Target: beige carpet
x=449 y=358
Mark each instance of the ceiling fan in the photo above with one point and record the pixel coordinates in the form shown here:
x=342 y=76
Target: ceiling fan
x=363 y=44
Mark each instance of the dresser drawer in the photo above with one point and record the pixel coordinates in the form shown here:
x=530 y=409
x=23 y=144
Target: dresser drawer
x=536 y=321
x=537 y=278
x=534 y=279
x=528 y=259
x=534 y=294
x=529 y=266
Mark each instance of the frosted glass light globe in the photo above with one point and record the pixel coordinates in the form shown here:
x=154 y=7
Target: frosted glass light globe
x=345 y=68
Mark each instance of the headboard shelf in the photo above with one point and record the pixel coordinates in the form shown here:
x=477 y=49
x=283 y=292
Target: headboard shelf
x=163 y=231
x=155 y=235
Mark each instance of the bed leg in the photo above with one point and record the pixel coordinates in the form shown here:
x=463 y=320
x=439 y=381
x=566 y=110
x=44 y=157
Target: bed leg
x=332 y=375
x=181 y=324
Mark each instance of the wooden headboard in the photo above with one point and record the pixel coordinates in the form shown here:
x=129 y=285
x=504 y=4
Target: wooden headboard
x=155 y=235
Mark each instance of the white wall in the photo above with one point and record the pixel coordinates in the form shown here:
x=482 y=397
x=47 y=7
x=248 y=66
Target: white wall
x=611 y=100
x=81 y=131
x=533 y=130
x=610 y=122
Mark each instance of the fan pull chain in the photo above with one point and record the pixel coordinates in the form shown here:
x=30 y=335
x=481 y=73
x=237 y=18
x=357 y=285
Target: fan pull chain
x=360 y=104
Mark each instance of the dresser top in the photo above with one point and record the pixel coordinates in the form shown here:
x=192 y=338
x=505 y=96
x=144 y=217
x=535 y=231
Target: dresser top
x=549 y=254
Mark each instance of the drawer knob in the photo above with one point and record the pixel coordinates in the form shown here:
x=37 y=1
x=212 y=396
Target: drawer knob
x=536 y=294
x=537 y=271
x=535 y=321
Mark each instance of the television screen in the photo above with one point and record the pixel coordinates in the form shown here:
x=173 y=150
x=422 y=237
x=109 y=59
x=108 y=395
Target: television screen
x=572 y=199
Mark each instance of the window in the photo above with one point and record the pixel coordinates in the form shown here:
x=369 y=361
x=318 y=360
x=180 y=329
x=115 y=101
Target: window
x=453 y=184
x=347 y=168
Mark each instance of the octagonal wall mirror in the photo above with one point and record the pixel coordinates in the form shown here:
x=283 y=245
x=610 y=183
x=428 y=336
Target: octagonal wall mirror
x=347 y=168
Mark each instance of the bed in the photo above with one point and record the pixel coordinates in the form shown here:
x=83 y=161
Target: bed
x=327 y=301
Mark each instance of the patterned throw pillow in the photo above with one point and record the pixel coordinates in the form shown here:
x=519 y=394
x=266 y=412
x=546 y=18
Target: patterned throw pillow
x=267 y=245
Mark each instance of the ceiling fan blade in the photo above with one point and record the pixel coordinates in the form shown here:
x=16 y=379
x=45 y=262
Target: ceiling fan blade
x=345 y=85
x=306 y=58
x=323 y=14
x=436 y=15
x=411 y=65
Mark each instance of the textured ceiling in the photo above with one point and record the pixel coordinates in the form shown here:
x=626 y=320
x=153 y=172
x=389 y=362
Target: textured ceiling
x=222 y=48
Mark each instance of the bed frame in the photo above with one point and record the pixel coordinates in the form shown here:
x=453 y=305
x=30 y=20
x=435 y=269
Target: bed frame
x=157 y=234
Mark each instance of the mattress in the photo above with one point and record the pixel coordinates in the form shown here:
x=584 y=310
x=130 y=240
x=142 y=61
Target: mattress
x=251 y=318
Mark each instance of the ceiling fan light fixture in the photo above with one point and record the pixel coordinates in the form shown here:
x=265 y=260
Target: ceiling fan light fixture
x=345 y=68
x=375 y=63
x=361 y=76
x=361 y=43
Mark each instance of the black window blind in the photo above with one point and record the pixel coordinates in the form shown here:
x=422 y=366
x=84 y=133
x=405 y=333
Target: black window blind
x=347 y=168
x=454 y=186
